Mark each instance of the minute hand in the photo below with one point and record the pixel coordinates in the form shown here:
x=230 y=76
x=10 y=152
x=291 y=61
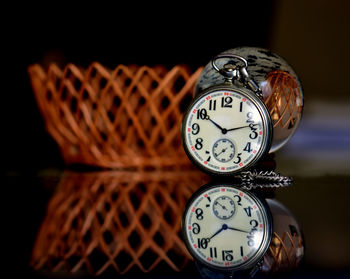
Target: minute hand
x=234 y=229
x=237 y=128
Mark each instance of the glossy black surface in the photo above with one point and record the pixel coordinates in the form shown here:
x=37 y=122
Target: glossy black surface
x=318 y=203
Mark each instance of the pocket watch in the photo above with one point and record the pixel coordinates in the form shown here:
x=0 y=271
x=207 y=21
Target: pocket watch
x=248 y=102
x=227 y=229
x=227 y=127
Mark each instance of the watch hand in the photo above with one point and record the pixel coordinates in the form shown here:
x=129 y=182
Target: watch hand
x=234 y=229
x=224 y=227
x=222 y=206
x=223 y=130
x=237 y=128
x=221 y=152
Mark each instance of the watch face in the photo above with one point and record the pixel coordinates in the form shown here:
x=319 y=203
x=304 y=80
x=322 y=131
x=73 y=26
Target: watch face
x=226 y=228
x=226 y=130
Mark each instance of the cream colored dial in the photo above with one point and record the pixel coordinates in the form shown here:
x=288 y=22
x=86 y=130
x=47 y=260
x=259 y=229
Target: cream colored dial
x=225 y=227
x=225 y=131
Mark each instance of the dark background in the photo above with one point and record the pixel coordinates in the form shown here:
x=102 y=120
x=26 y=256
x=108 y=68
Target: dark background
x=313 y=36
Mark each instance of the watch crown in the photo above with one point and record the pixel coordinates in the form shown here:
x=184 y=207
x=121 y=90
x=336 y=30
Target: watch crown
x=230 y=71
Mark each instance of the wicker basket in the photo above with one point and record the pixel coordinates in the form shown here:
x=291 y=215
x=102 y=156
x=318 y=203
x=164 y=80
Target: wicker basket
x=122 y=118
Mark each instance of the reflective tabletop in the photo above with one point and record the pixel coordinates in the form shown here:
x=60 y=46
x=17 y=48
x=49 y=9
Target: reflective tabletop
x=124 y=223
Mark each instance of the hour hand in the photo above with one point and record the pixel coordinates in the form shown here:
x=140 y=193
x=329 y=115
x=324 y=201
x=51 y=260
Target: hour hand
x=224 y=227
x=223 y=130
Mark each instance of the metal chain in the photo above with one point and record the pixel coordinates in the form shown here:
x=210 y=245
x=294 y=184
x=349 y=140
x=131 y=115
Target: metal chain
x=263 y=179
x=249 y=82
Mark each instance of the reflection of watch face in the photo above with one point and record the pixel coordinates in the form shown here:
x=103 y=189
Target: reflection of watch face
x=224 y=207
x=226 y=130
x=226 y=228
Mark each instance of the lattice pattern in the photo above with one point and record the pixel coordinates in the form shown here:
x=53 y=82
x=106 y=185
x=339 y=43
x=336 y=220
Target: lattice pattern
x=285 y=253
x=116 y=221
x=121 y=118
x=283 y=99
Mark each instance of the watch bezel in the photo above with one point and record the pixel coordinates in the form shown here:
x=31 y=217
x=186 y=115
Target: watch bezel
x=268 y=229
x=267 y=127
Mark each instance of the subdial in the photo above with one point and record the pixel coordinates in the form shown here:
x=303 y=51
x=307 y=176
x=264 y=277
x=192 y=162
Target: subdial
x=224 y=207
x=223 y=150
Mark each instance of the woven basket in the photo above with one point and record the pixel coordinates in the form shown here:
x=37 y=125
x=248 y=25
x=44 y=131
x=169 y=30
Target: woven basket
x=122 y=118
x=116 y=221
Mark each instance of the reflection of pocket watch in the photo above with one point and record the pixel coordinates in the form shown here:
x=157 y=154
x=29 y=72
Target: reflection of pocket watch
x=248 y=102
x=227 y=229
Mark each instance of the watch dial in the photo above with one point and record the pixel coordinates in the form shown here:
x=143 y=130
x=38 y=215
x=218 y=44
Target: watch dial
x=225 y=131
x=226 y=227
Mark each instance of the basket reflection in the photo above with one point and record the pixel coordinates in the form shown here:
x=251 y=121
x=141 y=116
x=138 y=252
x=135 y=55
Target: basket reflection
x=286 y=250
x=122 y=221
